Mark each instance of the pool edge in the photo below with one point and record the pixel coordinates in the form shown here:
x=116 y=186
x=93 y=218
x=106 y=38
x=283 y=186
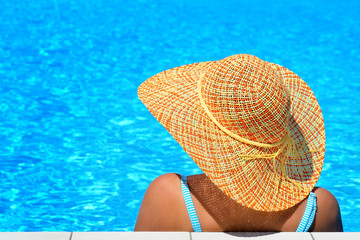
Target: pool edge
x=174 y=235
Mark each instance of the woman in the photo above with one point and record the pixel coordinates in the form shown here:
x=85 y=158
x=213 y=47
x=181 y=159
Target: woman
x=256 y=130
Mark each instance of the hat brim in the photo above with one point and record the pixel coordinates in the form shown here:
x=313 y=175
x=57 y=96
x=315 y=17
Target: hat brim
x=172 y=98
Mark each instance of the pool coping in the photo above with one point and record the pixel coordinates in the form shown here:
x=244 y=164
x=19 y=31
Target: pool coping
x=175 y=235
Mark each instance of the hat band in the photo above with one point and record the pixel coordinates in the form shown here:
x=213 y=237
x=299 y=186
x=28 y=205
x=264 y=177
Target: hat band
x=234 y=135
x=287 y=142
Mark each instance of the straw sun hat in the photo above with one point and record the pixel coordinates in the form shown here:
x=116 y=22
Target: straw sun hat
x=255 y=128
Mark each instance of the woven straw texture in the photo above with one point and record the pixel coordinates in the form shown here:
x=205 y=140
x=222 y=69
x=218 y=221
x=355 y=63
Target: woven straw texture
x=255 y=128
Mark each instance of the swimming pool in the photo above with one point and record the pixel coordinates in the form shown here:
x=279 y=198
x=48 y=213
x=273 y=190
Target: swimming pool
x=78 y=149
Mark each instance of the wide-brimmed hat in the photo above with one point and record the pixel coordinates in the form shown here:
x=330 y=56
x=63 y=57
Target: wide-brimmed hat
x=255 y=128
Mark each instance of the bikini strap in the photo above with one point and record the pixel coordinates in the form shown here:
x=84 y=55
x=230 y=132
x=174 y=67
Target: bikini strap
x=309 y=214
x=190 y=205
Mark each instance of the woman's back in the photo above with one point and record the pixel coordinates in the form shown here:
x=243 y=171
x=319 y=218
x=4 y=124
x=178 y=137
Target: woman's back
x=164 y=209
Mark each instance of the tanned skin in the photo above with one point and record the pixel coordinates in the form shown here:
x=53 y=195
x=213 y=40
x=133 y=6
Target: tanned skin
x=163 y=209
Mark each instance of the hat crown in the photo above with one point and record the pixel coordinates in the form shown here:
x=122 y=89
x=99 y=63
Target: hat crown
x=247 y=97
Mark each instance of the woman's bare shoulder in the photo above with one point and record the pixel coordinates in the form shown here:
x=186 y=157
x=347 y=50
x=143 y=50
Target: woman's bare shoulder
x=163 y=206
x=328 y=216
x=164 y=184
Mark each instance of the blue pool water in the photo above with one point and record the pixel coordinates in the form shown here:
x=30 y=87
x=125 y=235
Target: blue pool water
x=78 y=149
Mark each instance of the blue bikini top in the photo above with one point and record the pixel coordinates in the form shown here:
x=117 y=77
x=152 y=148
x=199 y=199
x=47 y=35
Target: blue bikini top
x=304 y=225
